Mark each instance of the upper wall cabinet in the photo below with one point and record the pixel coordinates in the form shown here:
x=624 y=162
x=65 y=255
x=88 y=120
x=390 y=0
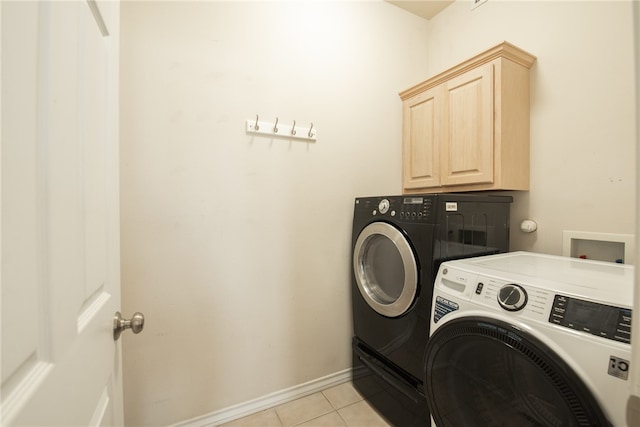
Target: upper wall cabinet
x=467 y=129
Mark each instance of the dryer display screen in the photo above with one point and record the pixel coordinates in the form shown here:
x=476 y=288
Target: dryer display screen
x=601 y=320
x=413 y=200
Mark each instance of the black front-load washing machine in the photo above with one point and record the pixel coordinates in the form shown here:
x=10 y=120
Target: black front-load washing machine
x=398 y=243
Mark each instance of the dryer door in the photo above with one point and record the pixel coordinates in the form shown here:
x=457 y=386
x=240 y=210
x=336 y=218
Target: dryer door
x=485 y=372
x=385 y=268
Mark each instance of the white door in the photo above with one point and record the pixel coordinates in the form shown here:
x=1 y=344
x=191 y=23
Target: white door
x=633 y=405
x=60 y=227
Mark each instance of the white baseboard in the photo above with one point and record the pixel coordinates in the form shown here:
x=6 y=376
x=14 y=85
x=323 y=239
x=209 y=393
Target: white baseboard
x=270 y=400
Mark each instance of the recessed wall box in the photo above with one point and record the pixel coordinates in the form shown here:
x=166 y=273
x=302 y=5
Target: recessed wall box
x=599 y=246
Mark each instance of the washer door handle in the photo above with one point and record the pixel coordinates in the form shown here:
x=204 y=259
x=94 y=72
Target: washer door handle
x=136 y=324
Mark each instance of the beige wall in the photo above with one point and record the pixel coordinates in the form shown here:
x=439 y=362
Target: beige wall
x=236 y=247
x=583 y=160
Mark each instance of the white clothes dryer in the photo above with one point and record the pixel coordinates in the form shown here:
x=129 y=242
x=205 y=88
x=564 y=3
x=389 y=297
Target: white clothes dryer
x=523 y=339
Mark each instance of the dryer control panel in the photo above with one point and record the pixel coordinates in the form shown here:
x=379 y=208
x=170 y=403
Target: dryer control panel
x=601 y=320
x=398 y=208
x=415 y=208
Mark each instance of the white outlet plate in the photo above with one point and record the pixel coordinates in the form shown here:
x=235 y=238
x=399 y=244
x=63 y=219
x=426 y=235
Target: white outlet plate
x=477 y=3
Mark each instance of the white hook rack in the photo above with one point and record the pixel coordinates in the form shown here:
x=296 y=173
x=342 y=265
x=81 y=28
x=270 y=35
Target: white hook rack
x=279 y=130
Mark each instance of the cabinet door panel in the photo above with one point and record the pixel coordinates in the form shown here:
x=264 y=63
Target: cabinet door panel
x=467 y=148
x=421 y=140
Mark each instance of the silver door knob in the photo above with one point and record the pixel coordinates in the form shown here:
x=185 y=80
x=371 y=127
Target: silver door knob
x=136 y=324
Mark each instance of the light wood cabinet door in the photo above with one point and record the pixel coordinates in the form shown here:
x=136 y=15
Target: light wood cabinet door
x=467 y=137
x=422 y=133
x=467 y=128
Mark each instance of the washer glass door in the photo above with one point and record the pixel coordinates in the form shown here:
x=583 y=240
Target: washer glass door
x=385 y=269
x=485 y=372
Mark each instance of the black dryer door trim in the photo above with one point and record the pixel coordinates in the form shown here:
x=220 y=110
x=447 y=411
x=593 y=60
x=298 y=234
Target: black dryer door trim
x=385 y=267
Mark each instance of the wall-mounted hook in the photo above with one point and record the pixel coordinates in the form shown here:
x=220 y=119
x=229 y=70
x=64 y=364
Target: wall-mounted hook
x=281 y=130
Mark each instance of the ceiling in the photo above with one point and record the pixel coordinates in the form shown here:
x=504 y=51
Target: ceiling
x=424 y=8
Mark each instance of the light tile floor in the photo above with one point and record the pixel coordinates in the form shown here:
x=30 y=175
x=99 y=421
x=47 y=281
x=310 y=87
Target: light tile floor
x=339 y=406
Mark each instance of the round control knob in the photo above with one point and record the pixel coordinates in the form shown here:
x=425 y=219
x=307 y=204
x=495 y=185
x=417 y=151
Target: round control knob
x=383 y=206
x=512 y=297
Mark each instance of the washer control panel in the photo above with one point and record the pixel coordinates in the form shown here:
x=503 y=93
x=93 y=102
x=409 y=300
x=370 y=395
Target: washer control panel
x=516 y=298
x=531 y=302
x=601 y=320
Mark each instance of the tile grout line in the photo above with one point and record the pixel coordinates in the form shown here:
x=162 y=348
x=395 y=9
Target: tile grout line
x=315 y=418
x=346 y=423
x=278 y=415
x=310 y=419
x=337 y=401
x=334 y=410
